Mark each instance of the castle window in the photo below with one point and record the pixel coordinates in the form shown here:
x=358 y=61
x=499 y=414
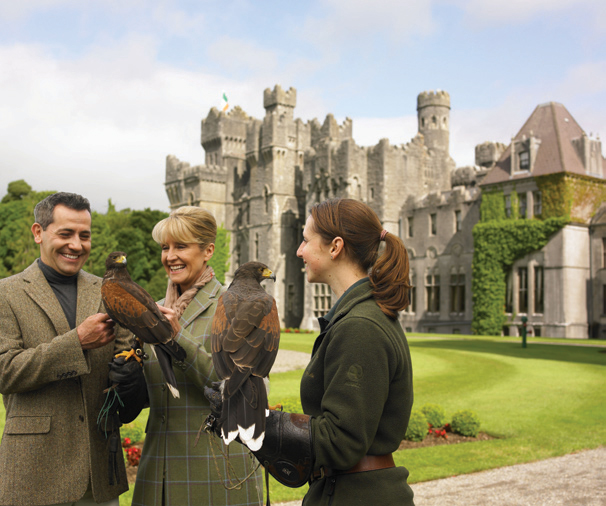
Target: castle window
x=508 y=206
x=433 y=224
x=256 y=246
x=523 y=290
x=538 y=289
x=372 y=193
x=522 y=201
x=604 y=252
x=457 y=292
x=538 y=203
x=322 y=299
x=423 y=122
x=266 y=197
x=432 y=290
x=603 y=299
x=525 y=160
x=458 y=221
x=412 y=294
x=410 y=221
x=509 y=294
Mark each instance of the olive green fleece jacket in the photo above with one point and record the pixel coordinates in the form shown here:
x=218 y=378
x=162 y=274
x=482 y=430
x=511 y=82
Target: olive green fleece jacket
x=358 y=390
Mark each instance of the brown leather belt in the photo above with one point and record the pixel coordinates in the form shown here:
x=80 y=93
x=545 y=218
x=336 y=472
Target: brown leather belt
x=366 y=463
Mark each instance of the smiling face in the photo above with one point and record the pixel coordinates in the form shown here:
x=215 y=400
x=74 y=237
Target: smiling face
x=184 y=263
x=65 y=244
x=315 y=254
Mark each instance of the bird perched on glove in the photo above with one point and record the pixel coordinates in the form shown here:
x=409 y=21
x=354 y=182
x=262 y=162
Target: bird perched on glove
x=133 y=308
x=244 y=338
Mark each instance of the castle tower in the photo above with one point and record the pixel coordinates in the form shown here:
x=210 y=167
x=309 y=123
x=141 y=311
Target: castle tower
x=279 y=101
x=433 y=114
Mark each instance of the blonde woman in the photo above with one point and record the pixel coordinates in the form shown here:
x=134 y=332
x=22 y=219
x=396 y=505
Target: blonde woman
x=172 y=470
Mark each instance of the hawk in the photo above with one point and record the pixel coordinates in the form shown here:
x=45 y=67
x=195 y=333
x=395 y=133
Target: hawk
x=244 y=339
x=133 y=308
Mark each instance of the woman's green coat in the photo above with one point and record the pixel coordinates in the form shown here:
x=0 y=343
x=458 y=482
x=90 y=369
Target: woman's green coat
x=358 y=389
x=170 y=455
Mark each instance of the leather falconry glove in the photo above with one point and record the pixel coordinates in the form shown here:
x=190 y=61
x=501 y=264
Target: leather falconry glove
x=129 y=381
x=287 y=451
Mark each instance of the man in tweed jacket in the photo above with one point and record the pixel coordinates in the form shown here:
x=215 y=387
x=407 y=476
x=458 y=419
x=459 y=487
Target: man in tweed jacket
x=55 y=345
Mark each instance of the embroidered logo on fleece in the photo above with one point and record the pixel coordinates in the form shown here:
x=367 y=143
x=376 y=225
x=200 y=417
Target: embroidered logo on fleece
x=354 y=375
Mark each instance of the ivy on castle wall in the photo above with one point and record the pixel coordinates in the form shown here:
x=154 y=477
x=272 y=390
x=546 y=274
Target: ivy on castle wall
x=573 y=196
x=497 y=245
x=492 y=206
x=500 y=240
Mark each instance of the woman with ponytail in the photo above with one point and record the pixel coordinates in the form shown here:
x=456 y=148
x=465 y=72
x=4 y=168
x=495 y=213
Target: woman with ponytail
x=357 y=387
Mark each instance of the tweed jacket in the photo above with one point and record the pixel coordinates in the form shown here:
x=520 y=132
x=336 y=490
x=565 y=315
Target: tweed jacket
x=191 y=473
x=358 y=390
x=52 y=392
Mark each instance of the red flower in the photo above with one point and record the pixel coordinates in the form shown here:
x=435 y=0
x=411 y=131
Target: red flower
x=126 y=442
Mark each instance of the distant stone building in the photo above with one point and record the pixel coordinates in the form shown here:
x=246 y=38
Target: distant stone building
x=260 y=177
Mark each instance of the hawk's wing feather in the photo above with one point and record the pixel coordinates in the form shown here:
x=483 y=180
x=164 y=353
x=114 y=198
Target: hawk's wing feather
x=134 y=309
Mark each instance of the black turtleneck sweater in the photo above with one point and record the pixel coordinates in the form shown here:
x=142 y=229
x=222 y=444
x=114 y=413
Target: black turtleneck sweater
x=66 y=291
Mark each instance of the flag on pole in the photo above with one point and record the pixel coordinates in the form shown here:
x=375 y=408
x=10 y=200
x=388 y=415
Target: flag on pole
x=225 y=103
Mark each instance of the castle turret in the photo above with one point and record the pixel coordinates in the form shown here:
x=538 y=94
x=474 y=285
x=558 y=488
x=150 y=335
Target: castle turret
x=433 y=113
x=279 y=101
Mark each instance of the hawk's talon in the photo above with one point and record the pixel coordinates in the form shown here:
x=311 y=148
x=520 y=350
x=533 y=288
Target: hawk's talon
x=128 y=355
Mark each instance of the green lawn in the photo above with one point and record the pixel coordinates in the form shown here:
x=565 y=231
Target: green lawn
x=541 y=401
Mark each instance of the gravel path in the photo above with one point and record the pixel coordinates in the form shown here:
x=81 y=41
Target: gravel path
x=578 y=479
x=288 y=360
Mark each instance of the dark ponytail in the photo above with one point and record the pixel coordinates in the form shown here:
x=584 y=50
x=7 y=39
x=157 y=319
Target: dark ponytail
x=361 y=230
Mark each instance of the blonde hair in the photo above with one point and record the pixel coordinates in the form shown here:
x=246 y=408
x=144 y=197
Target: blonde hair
x=187 y=225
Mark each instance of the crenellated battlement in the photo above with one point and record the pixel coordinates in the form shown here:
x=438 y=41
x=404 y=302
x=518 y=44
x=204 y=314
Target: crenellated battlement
x=278 y=96
x=431 y=98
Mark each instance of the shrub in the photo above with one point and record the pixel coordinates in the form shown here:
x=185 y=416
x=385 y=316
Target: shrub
x=465 y=423
x=417 y=426
x=132 y=432
x=434 y=414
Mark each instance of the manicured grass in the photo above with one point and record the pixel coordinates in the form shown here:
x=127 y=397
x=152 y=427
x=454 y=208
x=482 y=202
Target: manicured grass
x=541 y=401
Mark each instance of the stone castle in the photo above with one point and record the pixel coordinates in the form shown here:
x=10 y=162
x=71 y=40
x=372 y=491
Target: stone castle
x=260 y=177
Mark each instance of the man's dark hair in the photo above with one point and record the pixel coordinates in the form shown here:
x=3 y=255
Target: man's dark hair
x=43 y=212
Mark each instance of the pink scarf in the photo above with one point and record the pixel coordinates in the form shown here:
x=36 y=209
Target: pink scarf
x=178 y=303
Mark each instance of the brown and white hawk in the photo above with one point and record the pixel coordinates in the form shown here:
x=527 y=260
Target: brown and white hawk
x=244 y=338
x=133 y=308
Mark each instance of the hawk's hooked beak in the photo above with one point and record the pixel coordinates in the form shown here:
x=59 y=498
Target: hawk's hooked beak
x=267 y=274
x=121 y=260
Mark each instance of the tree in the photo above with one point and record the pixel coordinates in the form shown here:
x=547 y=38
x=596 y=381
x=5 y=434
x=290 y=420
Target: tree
x=125 y=230
x=17 y=190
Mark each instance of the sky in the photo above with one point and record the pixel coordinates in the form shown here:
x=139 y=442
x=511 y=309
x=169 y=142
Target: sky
x=95 y=94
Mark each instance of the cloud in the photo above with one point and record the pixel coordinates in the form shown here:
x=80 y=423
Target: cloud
x=96 y=127
x=242 y=56
x=342 y=22
x=518 y=11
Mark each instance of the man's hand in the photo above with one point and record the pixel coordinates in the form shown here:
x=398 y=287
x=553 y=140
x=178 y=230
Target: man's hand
x=96 y=331
x=172 y=317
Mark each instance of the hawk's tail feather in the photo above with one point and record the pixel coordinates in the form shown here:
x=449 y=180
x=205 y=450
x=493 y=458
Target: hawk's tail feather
x=166 y=366
x=244 y=414
x=174 y=349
